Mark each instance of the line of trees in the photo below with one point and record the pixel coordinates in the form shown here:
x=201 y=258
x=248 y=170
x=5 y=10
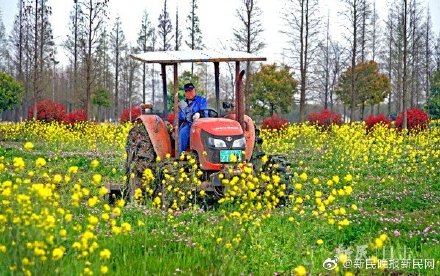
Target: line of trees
x=404 y=49
x=380 y=64
x=99 y=77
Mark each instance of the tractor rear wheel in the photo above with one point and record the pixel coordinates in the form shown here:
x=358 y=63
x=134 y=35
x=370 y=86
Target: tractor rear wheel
x=140 y=155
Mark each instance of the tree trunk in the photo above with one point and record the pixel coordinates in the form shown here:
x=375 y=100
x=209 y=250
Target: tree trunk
x=353 y=60
x=35 y=80
x=405 y=41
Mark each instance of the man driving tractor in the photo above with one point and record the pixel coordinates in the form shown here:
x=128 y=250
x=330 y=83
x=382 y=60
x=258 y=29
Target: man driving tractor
x=188 y=112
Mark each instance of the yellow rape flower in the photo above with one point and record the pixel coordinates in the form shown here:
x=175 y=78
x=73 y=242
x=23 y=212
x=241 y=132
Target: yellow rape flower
x=57 y=178
x=116 y=211
x=68 y=217
x=94 y=164
x=300 y=271
x=125 y=227
x=103 y=269
x=348 y=178
x=28 y=146
x=72 y=170
x=58 y=253
x=105 y=254
x=157 y=201
x=120 y=203
x=103 y=191
x=116 y=230
x=378 y=243
x=40 y=162
x=63 y=233
x=92 y=201
x=93 y=220
x=97 y=178
x=18 y=163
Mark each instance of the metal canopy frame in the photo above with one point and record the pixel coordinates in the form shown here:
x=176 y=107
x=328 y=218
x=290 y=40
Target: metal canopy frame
x=165 y=58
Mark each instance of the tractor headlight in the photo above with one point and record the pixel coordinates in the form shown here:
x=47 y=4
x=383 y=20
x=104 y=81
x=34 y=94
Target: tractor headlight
x=239 y=143
x=217 y=143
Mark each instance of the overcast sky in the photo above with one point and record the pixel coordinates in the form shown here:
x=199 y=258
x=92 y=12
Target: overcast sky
x=217 y=19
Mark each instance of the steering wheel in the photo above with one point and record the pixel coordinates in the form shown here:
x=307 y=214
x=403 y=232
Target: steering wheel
x=206 y=113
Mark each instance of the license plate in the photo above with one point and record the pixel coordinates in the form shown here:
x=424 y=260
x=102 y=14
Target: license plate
x=225 y=155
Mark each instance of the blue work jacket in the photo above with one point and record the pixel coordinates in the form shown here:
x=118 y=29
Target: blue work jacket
x=197 y=104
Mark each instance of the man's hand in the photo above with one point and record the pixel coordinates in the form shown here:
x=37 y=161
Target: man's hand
x=195 y=116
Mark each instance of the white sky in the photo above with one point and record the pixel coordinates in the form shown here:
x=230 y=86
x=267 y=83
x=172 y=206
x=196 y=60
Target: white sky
x=217 y=19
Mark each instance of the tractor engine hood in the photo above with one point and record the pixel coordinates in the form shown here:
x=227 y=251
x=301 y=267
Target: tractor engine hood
x=217 y=126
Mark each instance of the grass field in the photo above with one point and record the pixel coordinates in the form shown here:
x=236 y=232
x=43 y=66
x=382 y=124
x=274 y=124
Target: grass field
x=353 y=203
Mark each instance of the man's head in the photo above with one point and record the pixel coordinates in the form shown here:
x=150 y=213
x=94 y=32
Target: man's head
x=190 y=91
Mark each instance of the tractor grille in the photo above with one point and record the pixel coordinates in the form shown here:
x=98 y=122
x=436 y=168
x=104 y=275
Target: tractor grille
x=213 y=154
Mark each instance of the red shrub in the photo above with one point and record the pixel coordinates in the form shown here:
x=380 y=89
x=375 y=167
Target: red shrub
x=274 y=122
x=417 y=119
x=48 y=111
x=372 y=120
x=125 y=114
x=325 y=118
x=170 y=118
x=78 y=115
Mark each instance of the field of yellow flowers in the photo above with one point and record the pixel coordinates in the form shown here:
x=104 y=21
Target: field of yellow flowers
x=350 y=203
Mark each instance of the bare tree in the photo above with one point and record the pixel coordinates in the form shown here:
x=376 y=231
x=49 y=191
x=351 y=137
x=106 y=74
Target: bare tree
x=129 y=81
x=21 y=40
x=415 y=55
x=404 y=74
x=195 y=42
x=178 y=34
x=94 y=12
x=74 y=46
x=17 y=39
x=354 y=16
x=43 y=47
x=364 y=14
x=437 y=53
x=375 y=42
x=103 y=61
x=144 y=44
x=323 y=66
x=375 y=33
x=247 y=37
x=165 y=28
x=389 y=40
x=327 y=69
x=303 y=24
x=397 y=58
x=337 y=62
x=4 y=47
x=118 y=46
x=427 y=52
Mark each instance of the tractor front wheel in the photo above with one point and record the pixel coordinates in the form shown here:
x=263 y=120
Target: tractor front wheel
x=140 y=156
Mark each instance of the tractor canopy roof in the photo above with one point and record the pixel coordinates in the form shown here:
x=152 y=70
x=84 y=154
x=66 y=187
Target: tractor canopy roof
x=171 y=57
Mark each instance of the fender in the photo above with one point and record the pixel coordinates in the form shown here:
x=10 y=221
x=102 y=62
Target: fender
x=158 y=133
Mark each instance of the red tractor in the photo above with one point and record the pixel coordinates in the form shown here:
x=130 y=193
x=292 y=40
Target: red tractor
x=213 y=139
